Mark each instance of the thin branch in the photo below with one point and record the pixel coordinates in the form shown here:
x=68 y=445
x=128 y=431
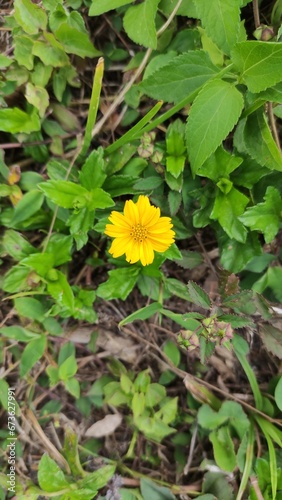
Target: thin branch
x=256 y=13
x=273 y=127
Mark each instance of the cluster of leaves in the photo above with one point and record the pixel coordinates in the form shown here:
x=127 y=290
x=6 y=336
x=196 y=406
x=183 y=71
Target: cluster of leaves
x=220 y=169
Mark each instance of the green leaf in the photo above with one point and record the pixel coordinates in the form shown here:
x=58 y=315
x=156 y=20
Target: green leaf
x=144 y=33
x=29 y=307
x=16 y=245
x=138 y=404
x=50 y=477
x=220 y=165
x=30 y=203
x=155 y=393
x=92 y=173
x=271 y=279
x=190 y=259
x=97 y=479
x=50 y=52
x=80 y=223
x=235 y=255
x=19 y=278
x=120 y=283
x=40 y=262
x=198 y=296
x=32 y=353
x=153 y=491
x=18 y=333
x=278 y=394
x=38 y=97
x=142 y=314
x=266 y=216
x=210 y=419
x=172 y=352
x=14 y=120
x=75 y=42
x=259 y=143
x=68 y=368
x=226 y=210
x=61 y=290
x=60 y=245
x=213 y=115
x=30 y=16
x=182 y=76
x=23 y=51
x=66 y=194
x=73 y=387
x=221 y=20
x=5 y=61
x=259 y=63
x=101 y=6
x=223 y=448
x=98 y=198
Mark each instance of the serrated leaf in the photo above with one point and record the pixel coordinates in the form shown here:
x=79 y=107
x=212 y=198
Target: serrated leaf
x=236 y=321
x=101 y=6
x=92 y=173
x=16 y=245
x=189 y=259
x=213 y=115
x=235 y=255
x=198 y=296
x=61 y=291
x=226 y=210
x=32 y=353
x=266 y=216
x=259 y=143
x=272 y=339
x=38 y=97
x=66 y=194
x=259 y=63
x=221 y=20
x=182 y=76
x=144 y=33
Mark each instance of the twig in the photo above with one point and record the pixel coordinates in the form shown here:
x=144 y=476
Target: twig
x=273 y=125
x=256 y=13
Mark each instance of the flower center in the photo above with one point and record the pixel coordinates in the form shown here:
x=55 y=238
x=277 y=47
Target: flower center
x=138 y=232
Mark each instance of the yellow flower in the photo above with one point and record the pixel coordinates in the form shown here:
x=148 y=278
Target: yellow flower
x=139 y=232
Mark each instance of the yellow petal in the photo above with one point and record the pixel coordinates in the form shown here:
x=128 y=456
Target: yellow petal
x=133 y=252
x=146 y=253
x=131 y=213
x=119 y=220
x=116 y=231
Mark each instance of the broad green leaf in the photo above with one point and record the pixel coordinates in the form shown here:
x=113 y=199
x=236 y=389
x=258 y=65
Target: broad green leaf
x=265 y=217
x=120 y=283
x=75 y=42
x=226 y=210
x=92 y=173
x=142 y=314
x=97 y=479
x=16 y=245
x=61 y=290
x=221 y=20
x=210 y=419
x=50 y=477
x=98 y=198
x=101 y=6
x=18 y=333
x=154 y=491
x=32 y=353
x=154 y=395
x=198 y=296
x=278 y=394
x=68 y=368
x=66 y=194
x=117 y=185
x=223 y=448
x=30 y=16
x=271 y=279
x=189 y=259
x=175 y=165
x=259 y=63
x=138 y=404
x=168 y=410
x=213 y=115
x=30 y=203
x=23 y=51
x=259 y=143
x=40 y=262
x=219 y=165
x=38 y=97
x=19 y=278
x=80 y=223
x=60 y=246
x=182 y=76
x=144 y=33
x=235 y=255
x=5 y=61
x=28 y=307
x=50 y=52
x=172 y=352
x=14 y=120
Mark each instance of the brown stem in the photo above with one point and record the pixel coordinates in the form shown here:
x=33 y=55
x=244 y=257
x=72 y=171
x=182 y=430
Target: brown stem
x=273 y=127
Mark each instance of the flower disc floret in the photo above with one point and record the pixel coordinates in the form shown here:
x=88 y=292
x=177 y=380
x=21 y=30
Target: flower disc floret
x=139 y=231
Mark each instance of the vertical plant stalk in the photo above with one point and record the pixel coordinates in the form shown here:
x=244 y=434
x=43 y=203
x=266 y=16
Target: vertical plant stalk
x=248 y=462
x=252 y=379
x=93 y=108
x=256 y=13
x=273 y=125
